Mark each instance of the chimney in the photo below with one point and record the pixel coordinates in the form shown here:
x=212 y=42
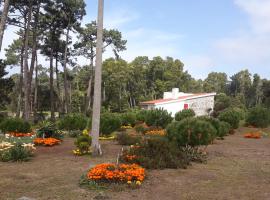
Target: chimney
x=175 y=93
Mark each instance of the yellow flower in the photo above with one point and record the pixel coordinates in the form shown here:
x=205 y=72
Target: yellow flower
x=138 y=183
x=85 y=132
x=129 y=182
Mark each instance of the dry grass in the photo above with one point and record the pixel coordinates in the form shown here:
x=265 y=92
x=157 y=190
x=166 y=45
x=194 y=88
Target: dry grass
x=237 y=168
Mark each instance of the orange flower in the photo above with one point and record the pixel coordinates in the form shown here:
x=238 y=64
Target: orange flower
x=46 y=141
x=161 y=132
x=254 y=135
x=114 y=173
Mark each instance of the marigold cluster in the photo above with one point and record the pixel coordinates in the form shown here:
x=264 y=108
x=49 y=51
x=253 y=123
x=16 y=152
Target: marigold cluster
x=126 y=127
x=255 y=135
x=46 y=141
x=160 y=132
x=15 y=134
x=116 y=173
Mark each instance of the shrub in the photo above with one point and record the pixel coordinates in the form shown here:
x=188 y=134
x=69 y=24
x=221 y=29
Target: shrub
x=72 y=122
x=83 y=143
x=259 y=117
x=158 y=118
x=222 y=128
x=230 y=116
x=141 y=115
x=191 y=131
x=127 y=139
x=141 y=128
x=128 y=118
x=15 y=125
x=16 y=153
x=48 y=130
x=74 y=133
x=184 y=114
x=109 y=123
x=156 y=153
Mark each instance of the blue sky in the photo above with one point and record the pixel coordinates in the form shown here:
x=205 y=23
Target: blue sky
x=206 y=35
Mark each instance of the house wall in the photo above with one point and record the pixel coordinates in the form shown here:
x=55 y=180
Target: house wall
x=201 y=106
x=172 y=107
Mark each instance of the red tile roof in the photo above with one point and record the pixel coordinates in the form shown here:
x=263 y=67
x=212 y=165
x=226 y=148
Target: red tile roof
x=157 y=101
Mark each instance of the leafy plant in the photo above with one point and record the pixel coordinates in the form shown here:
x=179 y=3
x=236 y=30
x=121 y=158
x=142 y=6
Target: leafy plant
x=83 y=143
x=184 y=114
x=158 y=118
x=74 y=133
x=191 y=131
x=109 y=123
x=141 y=115
x=128 y=118
x=127 y=139
x=259 y=117
x=141 y=128
x=48 y=130
x=15 y=125
x=221 y=127
x=156 y=153
x=230 y=116
x=72 y=122
x=16 y=153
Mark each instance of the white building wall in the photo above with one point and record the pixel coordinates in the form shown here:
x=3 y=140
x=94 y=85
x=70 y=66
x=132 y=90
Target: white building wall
x=201 y=106
x=172 y=107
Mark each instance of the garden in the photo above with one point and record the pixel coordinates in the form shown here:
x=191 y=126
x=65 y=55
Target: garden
x=141 y=150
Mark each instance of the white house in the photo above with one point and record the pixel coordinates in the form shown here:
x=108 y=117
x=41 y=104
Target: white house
x=175 y=101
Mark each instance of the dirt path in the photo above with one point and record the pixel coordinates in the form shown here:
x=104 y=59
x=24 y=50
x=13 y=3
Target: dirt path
x=237 y=168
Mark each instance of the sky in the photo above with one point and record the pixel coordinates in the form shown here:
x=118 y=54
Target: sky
x=206 y=35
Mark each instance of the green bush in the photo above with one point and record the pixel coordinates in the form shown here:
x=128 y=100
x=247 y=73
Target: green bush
x=109 y=123
x=83 y=143
x=127 y=139
x=72 y=122
x=258 y=117
x=222 y=128
x=15 y=125
x=16 y=153
x=157 y=153
x=74 y=133
x=230 y=116
x=48 y=130
x=141 y=128
x=184 y=114
x=128 y=118
x=141 y=115
x=158 y=118
x=191 y=131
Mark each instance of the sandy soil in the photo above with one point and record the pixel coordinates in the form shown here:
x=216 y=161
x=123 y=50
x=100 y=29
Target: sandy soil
x=237 y=168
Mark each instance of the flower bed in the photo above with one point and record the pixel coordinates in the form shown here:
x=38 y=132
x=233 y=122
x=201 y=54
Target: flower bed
x=255 y=135
x=158 y=132
x=46 y=141
x=15 y=134
x=123 y=173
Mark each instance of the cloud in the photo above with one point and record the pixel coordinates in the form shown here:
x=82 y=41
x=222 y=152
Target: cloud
x=258 y=12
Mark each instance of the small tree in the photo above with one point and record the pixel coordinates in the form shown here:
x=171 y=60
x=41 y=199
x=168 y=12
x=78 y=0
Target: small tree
x=184 y=114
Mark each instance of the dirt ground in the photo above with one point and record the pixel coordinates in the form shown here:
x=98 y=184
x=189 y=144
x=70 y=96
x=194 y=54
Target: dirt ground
x=237 y=168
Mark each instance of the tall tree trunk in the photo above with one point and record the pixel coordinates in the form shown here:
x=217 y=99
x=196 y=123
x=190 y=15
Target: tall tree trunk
x=58 y=86
x=19 y=103
x=36 y=91
x=51 y=87
x=97 y=88
x=65 y=74
x=34 y=50
x=25 y=65
x=89 y=89
x=3 y=21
